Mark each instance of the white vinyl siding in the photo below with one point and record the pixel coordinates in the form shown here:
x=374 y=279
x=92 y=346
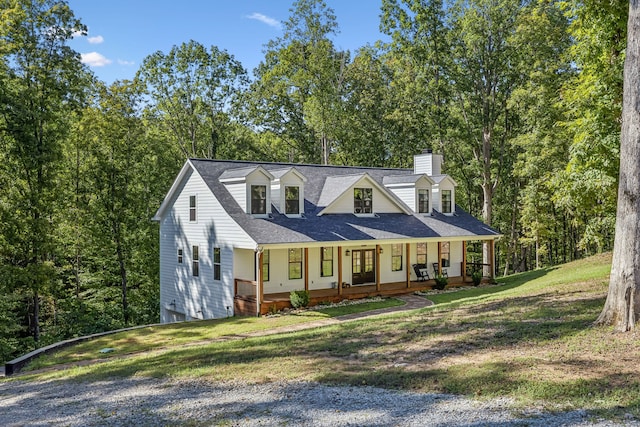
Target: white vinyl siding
x=197 y=297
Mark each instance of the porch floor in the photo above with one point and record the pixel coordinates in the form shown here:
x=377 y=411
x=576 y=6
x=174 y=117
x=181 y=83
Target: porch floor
x=245 y=305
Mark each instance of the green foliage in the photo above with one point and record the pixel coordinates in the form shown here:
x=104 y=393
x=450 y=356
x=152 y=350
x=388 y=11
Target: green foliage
x=476 y=277
x=191 y=89
x=299 y=299
x=441 y=281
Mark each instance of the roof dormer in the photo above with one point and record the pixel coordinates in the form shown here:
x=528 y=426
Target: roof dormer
x=413 y=190
x=287 y=191
x=359 y=195
x=250 y=187
x=444 y=194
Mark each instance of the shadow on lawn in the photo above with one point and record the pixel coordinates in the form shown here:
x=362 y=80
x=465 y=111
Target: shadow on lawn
x=443 y=351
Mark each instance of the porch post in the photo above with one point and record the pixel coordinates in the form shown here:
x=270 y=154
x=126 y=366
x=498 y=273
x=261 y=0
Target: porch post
x=492 y=258
x=439 y=257
x=408 y=264
x=259 y=284
x=339 y=270
x=305 y=268
x=377 y=267
x=464 y=261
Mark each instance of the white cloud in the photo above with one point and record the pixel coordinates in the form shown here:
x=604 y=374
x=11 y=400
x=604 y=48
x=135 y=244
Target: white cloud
x=123 y=62
x=95 y=40
x=94 y=59
x=265 y=19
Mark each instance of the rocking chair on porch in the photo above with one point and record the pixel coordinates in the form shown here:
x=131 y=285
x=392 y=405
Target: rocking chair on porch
x=421 y=272
x=437 y=271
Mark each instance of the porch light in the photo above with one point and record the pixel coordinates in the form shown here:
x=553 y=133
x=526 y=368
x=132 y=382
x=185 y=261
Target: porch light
x=347 y=253
x=380 y=251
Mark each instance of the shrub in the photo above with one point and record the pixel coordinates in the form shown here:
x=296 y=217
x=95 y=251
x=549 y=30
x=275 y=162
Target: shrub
x=299 y=298
x=441 y=281
x=476 y=277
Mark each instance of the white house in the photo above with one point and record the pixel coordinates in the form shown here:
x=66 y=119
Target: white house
x=237 y=237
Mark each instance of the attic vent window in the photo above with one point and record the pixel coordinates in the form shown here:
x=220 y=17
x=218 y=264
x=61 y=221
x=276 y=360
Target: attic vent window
x=362 y=200
x=192 y=209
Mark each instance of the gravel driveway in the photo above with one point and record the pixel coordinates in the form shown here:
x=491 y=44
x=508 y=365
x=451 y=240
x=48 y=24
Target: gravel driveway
x=163 y=402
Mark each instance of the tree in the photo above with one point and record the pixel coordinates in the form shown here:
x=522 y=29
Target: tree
x=42 y=84
x=592 y=101
x=192 y=90
x=299 y=86
x=622 y=307
x=420 y=59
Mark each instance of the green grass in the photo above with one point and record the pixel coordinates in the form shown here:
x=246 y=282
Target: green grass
x=189 y=333
x=530 y=338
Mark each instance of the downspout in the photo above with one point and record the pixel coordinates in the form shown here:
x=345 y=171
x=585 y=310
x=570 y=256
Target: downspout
x=259 y=283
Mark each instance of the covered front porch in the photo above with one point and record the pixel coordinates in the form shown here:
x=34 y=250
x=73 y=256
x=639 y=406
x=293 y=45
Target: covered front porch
x=245 y=305
x=259 y=297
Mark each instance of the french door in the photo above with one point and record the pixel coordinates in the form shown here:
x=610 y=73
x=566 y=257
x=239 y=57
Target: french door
x=363 y=266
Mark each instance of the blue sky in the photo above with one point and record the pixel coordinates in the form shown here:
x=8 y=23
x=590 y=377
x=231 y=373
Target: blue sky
x=123 y=32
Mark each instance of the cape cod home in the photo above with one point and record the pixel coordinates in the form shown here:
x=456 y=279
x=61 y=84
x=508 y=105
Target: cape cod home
x=237 y=237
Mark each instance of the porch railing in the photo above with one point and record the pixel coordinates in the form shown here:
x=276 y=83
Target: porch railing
x=476 y=266
x=246 y=288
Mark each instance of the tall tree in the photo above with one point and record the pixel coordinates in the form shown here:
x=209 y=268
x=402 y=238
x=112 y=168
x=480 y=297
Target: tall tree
x=42 y=85
x=622 y=307
x=420 y=57
x=299 y=84
x=592 y=101
x=192 y=90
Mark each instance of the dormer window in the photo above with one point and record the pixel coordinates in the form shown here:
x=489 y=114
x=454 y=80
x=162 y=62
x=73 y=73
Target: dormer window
x=362 y=200
x=259 y=199
x=292 y=200
x=423 y=200
x=446 y=201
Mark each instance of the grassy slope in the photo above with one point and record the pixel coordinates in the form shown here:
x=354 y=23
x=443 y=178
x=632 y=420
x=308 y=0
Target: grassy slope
x=530 y=338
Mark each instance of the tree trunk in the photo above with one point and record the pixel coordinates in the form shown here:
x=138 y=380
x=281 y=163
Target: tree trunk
x=36 y=317
x=123 y=272
x=622 y=307
x=487 y=192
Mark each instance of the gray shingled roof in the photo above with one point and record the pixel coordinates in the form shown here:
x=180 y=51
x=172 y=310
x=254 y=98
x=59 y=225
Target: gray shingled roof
x=333 y=227
x=401 y=179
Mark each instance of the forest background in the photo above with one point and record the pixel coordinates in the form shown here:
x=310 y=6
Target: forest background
x=523 y=98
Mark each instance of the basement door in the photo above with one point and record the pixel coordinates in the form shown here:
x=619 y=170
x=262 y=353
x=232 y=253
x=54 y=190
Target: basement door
x=363 y=264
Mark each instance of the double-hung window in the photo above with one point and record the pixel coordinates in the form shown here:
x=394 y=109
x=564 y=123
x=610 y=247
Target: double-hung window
x=362 y=200
x=291 y=200
x=180 y=256
x=444 y=254
x=396 y=257
x=446 y=201
x=192 y=209
x=295 y=263
x=195 y=261
x=423 y=200
x=259 y=199
x=217 y=274
x=421 y=253
x=326 y=261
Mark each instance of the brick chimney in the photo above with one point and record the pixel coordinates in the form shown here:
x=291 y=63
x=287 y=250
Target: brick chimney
x=427 y=163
